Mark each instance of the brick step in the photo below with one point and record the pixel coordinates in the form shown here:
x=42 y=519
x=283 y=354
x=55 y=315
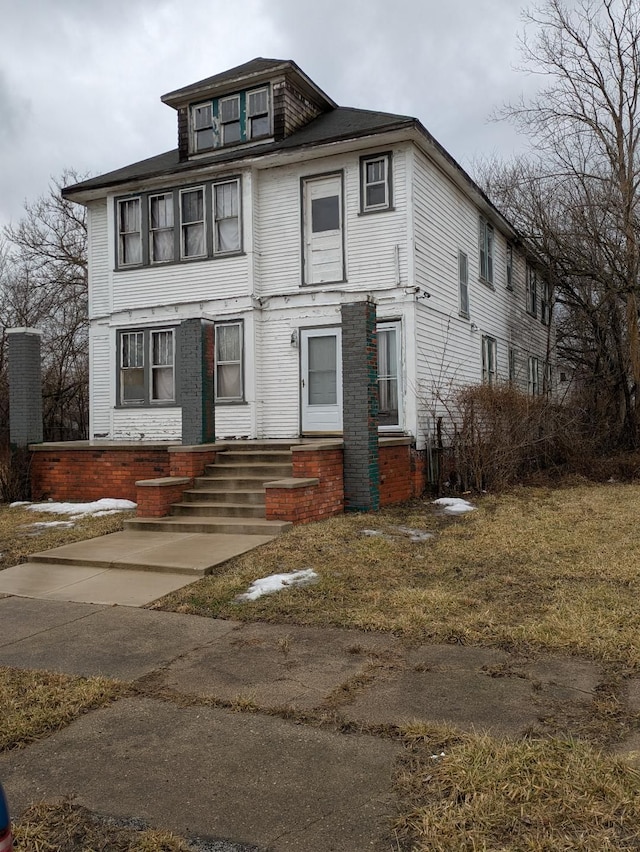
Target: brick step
x=228 y=526
x=266 y=471
x=222 y=494
x=215 y=509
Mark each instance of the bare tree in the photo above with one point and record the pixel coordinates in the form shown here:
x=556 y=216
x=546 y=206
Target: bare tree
x=43 y=284
x=577 y=199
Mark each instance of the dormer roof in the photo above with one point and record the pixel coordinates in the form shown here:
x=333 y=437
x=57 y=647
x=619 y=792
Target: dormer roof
x=253 y=73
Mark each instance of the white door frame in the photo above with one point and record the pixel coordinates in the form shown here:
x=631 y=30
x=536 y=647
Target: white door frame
x=320 y=417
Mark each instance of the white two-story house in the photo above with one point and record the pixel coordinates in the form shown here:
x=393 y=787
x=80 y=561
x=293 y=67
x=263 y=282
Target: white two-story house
x=277 y=207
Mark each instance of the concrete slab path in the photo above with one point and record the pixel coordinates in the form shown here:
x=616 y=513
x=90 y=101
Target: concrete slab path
x=128 y=568
x=288 y=774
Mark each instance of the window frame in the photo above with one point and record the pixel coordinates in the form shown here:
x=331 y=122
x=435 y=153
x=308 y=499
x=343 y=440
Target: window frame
x=509 y=266
x=217 y=252
x=152 y=231
x=546 y=302
x=533 y=383
x=179 y=255
x=250 y=116
x=387 y=182
x=244 y=120
x=229 y=400
x=486 y=245
x=394 y=326
x=193 y=130
x=463 y=284
x=489 y=360
x=532 y=291
x=121 y=262
x=148 y=367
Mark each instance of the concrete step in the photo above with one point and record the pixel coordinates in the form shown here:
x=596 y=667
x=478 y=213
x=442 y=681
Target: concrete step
x=222 y=494
x=255 y=457
x=228 y=483
x=266 y=471
x=215 y=509
x=225 y=526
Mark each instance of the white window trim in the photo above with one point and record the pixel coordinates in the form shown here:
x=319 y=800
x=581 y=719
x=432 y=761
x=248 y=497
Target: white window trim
x=489 y=360
x=463 y=283
x=486 y=240
x=230 y=399
x=152 y=230
x=121 y=202
x=395 y=325
x=182 y=225
x=387 y=182
x=193 y=146
x=532 y=291
x=217 y=251
x=250 y=116
x=534 y=376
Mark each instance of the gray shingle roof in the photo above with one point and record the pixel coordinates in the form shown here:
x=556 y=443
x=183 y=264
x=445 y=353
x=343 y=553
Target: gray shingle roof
x=338 y=124
x=255 y=66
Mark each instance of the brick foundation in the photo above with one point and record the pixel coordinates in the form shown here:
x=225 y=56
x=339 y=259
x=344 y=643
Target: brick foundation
x=309 y=502
x=402 y=469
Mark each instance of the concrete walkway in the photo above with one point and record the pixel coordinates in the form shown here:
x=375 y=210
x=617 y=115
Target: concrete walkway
x=283 y=774
x=129 y=568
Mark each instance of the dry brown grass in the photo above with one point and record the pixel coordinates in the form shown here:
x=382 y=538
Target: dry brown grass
x=526 y=796
x=35 y=704
x=553 y=569
x=19 y=539
x=66 y=827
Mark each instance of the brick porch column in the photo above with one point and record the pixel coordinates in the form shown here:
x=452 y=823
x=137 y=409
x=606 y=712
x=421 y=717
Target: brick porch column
x=360 y=406
x=195 y=359
x=25 y=386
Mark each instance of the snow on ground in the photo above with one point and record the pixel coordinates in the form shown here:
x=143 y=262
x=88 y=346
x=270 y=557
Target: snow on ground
x=454 y=505
x=106 y=506
x=276 y=582
x=42 y=524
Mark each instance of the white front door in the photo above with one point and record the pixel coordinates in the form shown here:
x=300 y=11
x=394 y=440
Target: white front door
x=323 y=249
x=321 y=379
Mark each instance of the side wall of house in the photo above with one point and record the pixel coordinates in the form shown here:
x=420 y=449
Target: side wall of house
x=449 y=344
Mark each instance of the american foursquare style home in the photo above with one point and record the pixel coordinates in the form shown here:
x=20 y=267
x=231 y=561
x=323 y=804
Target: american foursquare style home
x=252 y=258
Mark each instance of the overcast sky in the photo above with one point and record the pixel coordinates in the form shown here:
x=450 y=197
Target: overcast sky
x=81 y=80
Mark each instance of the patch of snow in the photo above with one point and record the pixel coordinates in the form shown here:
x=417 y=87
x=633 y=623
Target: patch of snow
x=454 y=505
x=41 y=524
x=276 y=582
x=106 y=506
x=371 y=532
x=19 y=503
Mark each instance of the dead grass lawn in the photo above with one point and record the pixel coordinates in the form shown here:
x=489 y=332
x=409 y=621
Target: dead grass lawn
x=553 y=569
x=35 y=703
x=19 y=539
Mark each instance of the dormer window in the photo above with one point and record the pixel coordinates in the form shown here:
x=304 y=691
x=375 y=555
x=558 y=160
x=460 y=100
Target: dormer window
x=231 y=119
x=258 y=113
x=202 y=119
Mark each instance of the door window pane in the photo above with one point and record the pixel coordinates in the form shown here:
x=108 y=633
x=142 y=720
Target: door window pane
x=325 y=214
x=387 y=377
x=322 y=371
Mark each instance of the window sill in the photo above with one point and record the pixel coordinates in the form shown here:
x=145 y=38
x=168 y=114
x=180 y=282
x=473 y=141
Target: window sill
x=147 y=406
x=230 y=402
x=389 y=209
x=488 y=284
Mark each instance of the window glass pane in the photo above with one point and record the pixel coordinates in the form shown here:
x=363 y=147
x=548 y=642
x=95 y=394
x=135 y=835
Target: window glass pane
x=193 y=241
x=322 y=371
x=130 y=248
x=325 y=214
x=204 y=139
x=162 y=245
x=226 y=200
x=227 y=235
x=132 y=385
x=162 y=384
x=162 y=211
x=203 y=116
x=133 y=349
x=229 y=381
x=375 y=171
x=260 y=126
x=162 y=348
x=230 y=109
x=130 y=215
x=192 y=206
x=231 y=132
x=376 y=195
x=257 y=102
x=228 y=347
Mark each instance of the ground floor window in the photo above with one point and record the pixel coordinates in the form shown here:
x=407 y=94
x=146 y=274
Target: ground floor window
x=229 y=377
x=388 y=373
x=146 y=367
x=489 y=360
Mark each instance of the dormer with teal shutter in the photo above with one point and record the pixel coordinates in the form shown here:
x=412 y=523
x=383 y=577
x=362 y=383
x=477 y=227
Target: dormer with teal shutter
x=261 y=100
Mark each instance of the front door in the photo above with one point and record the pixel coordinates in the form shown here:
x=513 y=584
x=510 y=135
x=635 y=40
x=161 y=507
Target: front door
x=321 y=380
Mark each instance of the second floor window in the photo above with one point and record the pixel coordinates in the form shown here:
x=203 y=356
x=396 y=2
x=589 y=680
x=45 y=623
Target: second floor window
x=180 y=224
x=375 y=183
x=532 y=291
x=485 y=240
x=489 y=360
x=463 y=280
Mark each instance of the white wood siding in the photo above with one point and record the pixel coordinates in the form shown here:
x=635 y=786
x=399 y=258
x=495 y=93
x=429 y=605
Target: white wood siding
x=101 y=372
x=146 y=424
x=98 y=256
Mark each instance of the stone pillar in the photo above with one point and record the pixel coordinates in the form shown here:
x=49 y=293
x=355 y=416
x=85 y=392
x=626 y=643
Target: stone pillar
x=195 y=379
x=360 y=407
x=25 y=386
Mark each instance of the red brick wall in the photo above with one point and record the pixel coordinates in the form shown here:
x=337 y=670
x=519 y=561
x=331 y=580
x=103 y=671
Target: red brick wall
x=190 y=464
x=155 y=501
x=402 y=474
x=314 y=502
x=89 y=474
